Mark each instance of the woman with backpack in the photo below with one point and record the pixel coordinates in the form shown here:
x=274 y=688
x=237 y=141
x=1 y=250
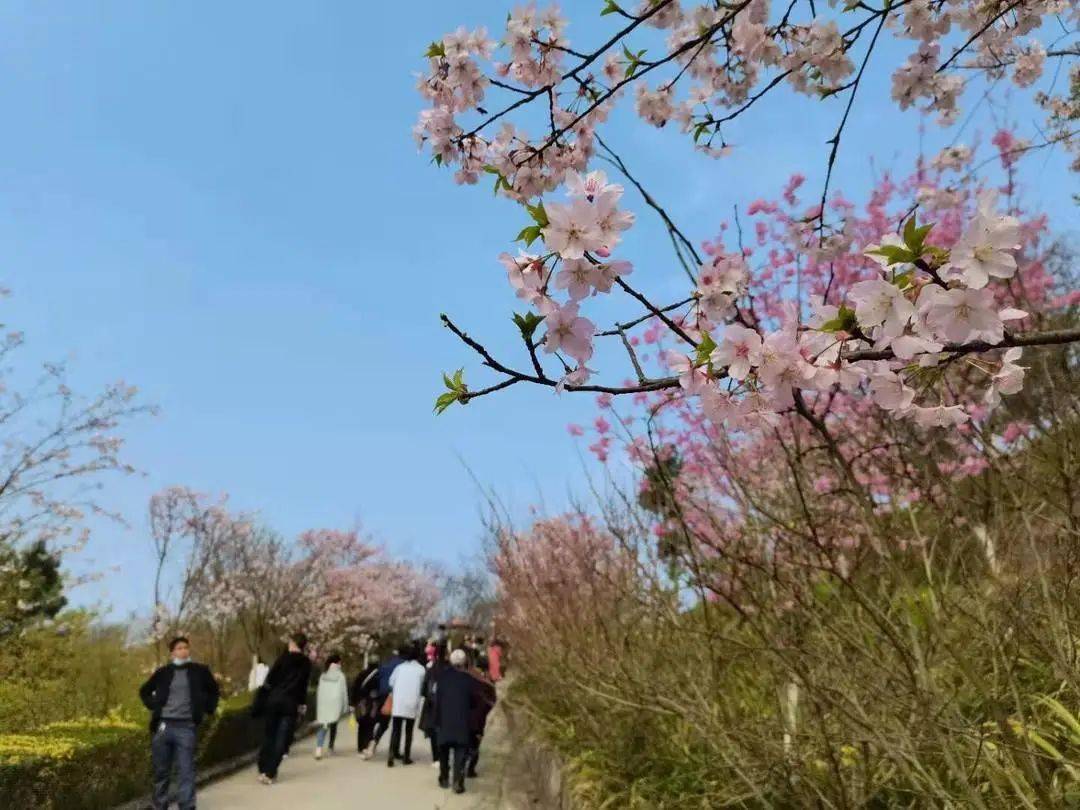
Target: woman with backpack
x=366 y=706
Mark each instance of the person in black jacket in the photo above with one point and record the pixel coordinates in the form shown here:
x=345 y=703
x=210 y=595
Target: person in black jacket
x=285 y=701
x=482 y=706
x=365 y=701
x=455 y=699
x=427 y=714
x=179 y=695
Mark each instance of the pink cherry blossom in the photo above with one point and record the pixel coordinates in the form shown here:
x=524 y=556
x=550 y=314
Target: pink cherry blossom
x=739 y=350
x=573 y=229
x=569 y=332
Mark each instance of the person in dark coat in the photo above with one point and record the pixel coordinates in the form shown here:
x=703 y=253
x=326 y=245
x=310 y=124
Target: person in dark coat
x=455 y=699
x=179 y=695
x=482 y=706
x=365 y=700
x=427 y=714
x=285 y=701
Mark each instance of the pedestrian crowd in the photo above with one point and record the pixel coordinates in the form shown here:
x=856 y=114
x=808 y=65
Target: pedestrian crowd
x=445 y=689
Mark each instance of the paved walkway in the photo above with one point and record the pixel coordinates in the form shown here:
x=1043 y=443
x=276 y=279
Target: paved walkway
x=346 y=782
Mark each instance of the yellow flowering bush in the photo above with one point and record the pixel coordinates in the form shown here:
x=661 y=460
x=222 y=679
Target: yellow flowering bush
x=98 y=763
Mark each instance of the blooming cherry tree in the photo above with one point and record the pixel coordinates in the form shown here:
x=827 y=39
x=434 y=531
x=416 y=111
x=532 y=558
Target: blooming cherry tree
x=867 y=307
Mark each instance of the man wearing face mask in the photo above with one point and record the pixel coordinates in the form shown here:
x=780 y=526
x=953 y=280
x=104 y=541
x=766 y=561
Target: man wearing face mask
x=179 y=695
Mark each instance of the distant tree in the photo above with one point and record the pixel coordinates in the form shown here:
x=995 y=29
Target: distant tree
x=31 y=587
x=56 y=447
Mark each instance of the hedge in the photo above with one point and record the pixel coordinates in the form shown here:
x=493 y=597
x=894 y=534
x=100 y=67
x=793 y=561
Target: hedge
x=99 y=763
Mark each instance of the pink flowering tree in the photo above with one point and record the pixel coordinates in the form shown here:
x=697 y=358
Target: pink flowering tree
x=352 y=591
x=235 y=578
x=861 y=303
x=713 y=465
x=809 y=596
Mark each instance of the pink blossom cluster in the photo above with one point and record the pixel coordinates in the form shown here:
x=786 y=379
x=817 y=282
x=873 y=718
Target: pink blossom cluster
x=739 y=449
x=928 y=289
x=726 y=54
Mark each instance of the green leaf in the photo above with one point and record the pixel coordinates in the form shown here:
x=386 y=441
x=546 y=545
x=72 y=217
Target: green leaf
x=527 y=323
x=445 y=401
x=438 y=160
x=633 y=60
x=894 y=253
x=843 y=322
x=611 y=7
x=902 y=280
x=705 y=349
x=435 y=49
x=538 y=213
x=529 y=234
x=699 y=130
x=915 y=235
x=456 y=390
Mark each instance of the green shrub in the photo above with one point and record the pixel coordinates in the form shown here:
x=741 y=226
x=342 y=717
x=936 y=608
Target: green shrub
x=99 y=763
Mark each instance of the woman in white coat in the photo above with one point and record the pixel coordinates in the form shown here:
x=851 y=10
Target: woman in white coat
x=331 y=704
x=406 y=683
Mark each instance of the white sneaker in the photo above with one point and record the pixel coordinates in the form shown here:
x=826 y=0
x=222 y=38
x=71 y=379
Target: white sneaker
x=318 y=753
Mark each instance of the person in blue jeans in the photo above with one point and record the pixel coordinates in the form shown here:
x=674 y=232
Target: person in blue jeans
x=179 y=695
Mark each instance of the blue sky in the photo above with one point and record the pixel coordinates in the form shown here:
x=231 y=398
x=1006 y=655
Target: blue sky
x=223 y=205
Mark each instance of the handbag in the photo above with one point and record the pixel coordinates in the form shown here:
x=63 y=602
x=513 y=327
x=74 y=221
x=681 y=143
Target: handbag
x=388 y=706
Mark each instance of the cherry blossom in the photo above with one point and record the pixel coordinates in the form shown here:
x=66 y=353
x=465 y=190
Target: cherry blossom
x=960 y=315
x=881 y=304
x=986 y=247
x=692 y=379
x=739 y=350
x=573 y=229
x=1009 y=378
x=567 y=331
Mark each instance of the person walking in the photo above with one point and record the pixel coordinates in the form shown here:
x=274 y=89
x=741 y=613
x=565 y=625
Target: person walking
x=366 y=705
x=179 y=695
x=455 y=699
x=436 y=665
x=495 y=667
x=406 y=683
x=331 y=704
x=285 y=700
x=485 y=697
x=382 y=719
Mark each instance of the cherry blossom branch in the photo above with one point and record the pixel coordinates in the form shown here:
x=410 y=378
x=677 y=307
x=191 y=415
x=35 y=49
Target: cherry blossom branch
x=670 y=324
x=535 y=94
x=835 y=140
x=989 y=24
x=619 y=327
x=635 y=75
x=1051 y=338
x=652 y=203
x=515 y=376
